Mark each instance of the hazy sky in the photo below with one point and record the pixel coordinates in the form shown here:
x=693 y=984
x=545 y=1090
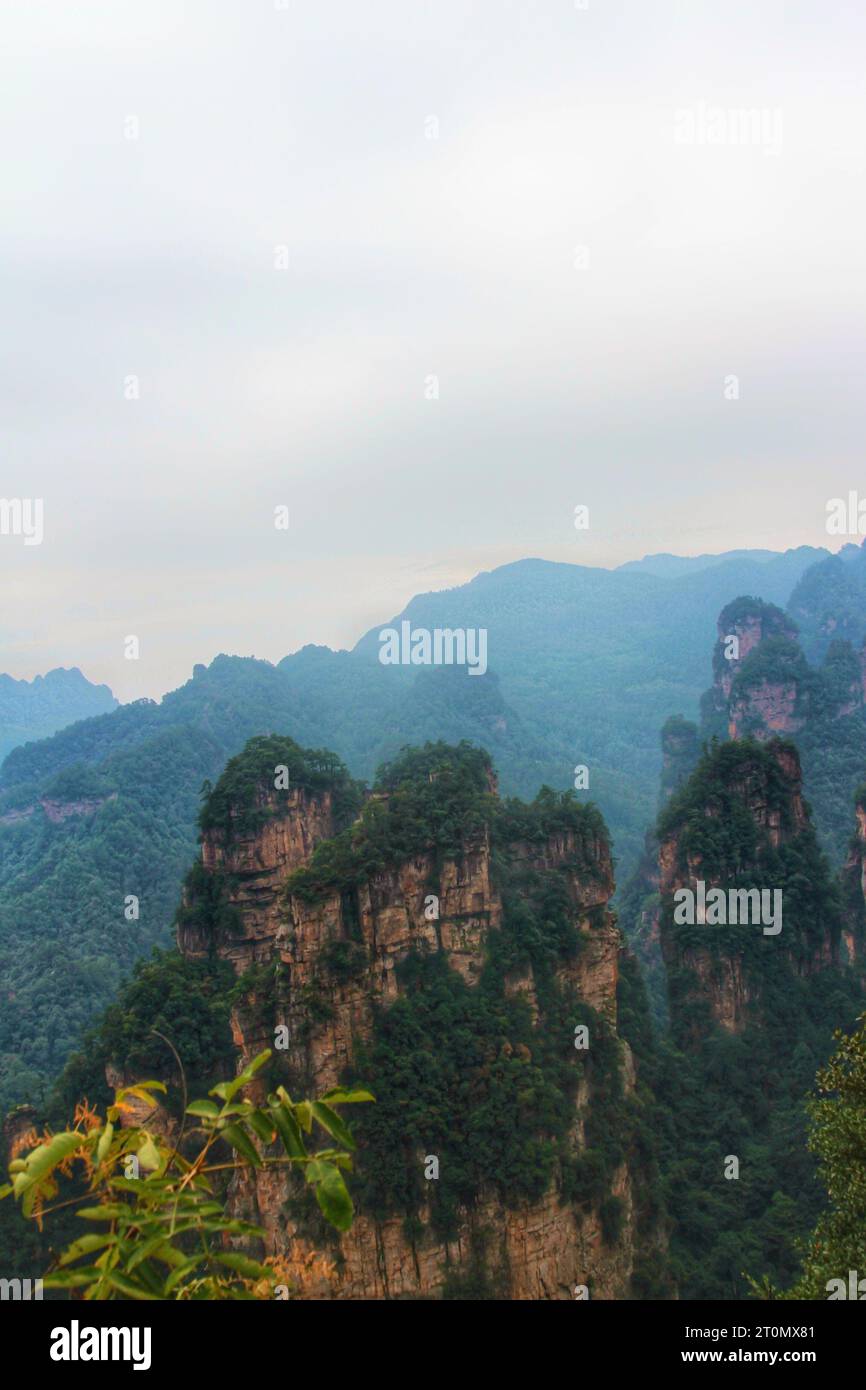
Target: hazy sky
x=565 y=376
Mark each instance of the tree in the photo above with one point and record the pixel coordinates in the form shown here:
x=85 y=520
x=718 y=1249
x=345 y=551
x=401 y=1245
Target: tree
x=837 y=1245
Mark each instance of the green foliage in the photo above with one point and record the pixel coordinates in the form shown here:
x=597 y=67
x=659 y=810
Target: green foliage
x=246 y=796
x=718 y=1093
x=155 y=1222
x=429 y=798
x=838 y=1139
x=168 y=997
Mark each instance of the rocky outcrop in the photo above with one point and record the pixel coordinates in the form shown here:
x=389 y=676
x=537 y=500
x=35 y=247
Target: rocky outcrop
x=766 y=710
x=256 y=862
x=765 y=786
x=322 y=964
x=854 y=885
x=56 y=810
x=743 y=701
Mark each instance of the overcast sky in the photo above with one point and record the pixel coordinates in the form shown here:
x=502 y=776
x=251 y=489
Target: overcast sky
x=433 y=171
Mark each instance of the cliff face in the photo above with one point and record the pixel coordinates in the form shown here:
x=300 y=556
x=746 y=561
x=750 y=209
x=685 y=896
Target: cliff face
x=854 y=885
x=741 y=700
x=765 y=711
x=256 y=862
x=56 y=810
x=758 y=795
x=328 y=965
x=763 y=686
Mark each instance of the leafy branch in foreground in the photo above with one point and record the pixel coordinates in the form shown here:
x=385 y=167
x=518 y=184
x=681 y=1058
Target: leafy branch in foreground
x=836 y=1250
x=159 y=1228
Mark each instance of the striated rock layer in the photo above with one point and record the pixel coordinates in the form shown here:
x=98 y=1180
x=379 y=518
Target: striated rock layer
x=328 y=964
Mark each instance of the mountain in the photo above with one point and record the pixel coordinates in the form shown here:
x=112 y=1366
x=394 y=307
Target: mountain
x=34 y=709
x=752 y=1005
x=458 y=953
x=584 y=666
x=593 y=661
x=764 y=686
x=829 y=601
x=674 y=566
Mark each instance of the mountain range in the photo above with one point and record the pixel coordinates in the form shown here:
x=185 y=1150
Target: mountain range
x=584 y=667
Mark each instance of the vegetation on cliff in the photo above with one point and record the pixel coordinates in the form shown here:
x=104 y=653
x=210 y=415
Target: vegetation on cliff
x=249 y=791
x=437 y=797
x=722 y=1094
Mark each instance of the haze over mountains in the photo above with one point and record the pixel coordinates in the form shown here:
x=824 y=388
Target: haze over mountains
x=585 y=665
x=34 y=709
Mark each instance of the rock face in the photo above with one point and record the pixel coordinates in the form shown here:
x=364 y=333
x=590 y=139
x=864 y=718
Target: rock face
x=765 y=711
x=331 y=962
x=763 y=686
x=751 y=624
x=257 y=863
x=741 y=700
x=765 y=787
x=854 y=885
x=56 y=810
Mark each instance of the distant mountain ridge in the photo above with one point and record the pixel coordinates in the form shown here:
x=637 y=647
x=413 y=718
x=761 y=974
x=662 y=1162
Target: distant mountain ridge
x=37 y=708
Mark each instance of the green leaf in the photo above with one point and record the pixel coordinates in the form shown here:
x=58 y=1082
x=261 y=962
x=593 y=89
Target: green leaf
x=129 y=1288
x=263 y=1126
x=333 y=1197
x=151 y=1247
x=148 y=1154
x=71 y=1278
x=203 y=1107
x=315 y=1170
x=330 y=1120
x=290 y=1132
x=181 y=1272
x=304 y=1115
x=85 y=1245
x=141 y=1088
x=250 y=1269
x=109 y=1211
x=226 y=1089
x=341 y=1097
x=46 y=1157
x=242 y=1142
x=104 y=1144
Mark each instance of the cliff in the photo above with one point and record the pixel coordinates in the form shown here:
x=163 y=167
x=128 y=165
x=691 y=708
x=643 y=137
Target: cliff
x=740 y=823
x=749 y=695
x=854 y=884
x=462 y=940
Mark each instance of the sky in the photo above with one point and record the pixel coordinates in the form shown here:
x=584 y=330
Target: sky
x=429 y=276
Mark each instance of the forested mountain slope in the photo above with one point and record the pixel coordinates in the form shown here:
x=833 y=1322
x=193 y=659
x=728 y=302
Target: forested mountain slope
x=34 y=709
